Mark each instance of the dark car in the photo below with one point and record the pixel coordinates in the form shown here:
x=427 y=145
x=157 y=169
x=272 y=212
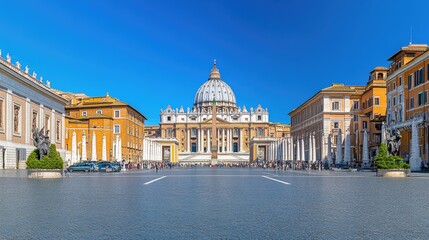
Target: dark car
x=83 y=166
x=106 y=166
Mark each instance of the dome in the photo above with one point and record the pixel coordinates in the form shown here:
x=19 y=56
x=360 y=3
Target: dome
x=215 y=88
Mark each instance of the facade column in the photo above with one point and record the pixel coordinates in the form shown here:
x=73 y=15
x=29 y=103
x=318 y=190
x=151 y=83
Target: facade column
x=188 y=140
x=9 y=115
x=27 y=118
x=310 y=148
x=314 y=147
x=84 y=158
x=228 y=140
x=199 y=140
x=302 y=149
x=223 y=139
x=291 y=149
x=415 y=159
x=240 y=146
x=208 y=141
x=298 y=152
x=322 y=149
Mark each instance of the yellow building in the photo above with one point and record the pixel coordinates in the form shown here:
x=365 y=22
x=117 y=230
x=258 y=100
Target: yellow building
x=372 y=114
x=104 y=128
x=407 y=102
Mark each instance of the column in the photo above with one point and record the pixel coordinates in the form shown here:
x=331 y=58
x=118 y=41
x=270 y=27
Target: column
x=188 y=140
x=291 y=149
x=228 y=140
x=314 y=148
x=199 y=140
x=63 y=131
x=302 y=149
x=53 y=129
x=310 y=148
x=208 y=141
x=240 y=146
x=297 y=150
x=415 y=159
x=223 y=140
x=27 y=118
x=9 y=115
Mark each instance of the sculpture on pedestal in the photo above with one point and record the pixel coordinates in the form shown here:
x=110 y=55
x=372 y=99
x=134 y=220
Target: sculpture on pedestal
x=393 y=141
x=41 y=141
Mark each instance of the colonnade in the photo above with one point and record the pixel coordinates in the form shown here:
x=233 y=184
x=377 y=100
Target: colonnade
x=310 y=147
x=225 y=139
x=281 y=149
x=152 y=150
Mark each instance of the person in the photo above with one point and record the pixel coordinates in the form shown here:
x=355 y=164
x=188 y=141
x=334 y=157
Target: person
x=156 y=167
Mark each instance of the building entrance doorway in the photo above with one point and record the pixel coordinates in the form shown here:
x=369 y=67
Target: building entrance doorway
x=261 y=153
x=166 y=153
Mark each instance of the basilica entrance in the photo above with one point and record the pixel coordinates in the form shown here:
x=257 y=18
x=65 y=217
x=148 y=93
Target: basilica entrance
x=166 y=154
x=261 y=153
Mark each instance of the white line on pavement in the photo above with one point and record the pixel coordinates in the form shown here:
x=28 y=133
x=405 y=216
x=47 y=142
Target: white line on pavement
x=147 y=183
x=273 y=179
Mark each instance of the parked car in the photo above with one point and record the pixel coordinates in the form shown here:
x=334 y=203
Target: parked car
x=83 y=166
x=106 y=166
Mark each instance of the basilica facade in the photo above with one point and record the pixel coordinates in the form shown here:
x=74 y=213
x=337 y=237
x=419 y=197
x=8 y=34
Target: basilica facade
x=235 y=126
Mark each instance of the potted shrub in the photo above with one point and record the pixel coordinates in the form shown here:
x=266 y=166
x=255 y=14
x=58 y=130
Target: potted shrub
x=389 y=165
x=50 y=166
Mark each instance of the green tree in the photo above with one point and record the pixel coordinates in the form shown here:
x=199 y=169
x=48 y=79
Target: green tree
x=51 y=161
x=385 y=161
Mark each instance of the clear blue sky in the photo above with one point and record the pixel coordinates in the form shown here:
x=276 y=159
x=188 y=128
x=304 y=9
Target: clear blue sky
x=154 y=53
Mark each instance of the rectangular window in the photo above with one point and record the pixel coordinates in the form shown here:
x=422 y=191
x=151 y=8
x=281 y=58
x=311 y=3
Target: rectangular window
x=58 y=130
x=394 y=101
x=410 y=81
x=355 y=105
x=411 y=102
x=364 y=124
x=47 y=123
x=84 y=113
x=259 y=118
x=34 y=120
x=335 y=105
x=420 y=98
x=168 y=119
x=99 y=112
x=336 y=125
x=355 y=118
x=400 y=98
x=117 y=113
x=394 y=86
x=117 y=128
x=376 y=101
x=16 y=118
x=1 y=113
x=400 y=81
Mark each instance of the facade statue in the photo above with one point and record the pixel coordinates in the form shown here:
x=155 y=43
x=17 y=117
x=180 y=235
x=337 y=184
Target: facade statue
x=41 y=142
x=27 y=69
x=393 y=141
x=8 y=58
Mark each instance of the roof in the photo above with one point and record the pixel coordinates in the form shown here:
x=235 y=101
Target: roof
x=334 y=88
x=410 y=48
x=103 y=101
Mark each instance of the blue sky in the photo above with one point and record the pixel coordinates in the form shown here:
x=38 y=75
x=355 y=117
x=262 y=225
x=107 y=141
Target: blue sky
x=154 y=53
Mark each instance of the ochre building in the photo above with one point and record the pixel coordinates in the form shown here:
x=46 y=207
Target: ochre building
x=104 y=128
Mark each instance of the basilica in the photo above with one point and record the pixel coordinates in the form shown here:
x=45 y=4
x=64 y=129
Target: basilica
x=237 y=128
